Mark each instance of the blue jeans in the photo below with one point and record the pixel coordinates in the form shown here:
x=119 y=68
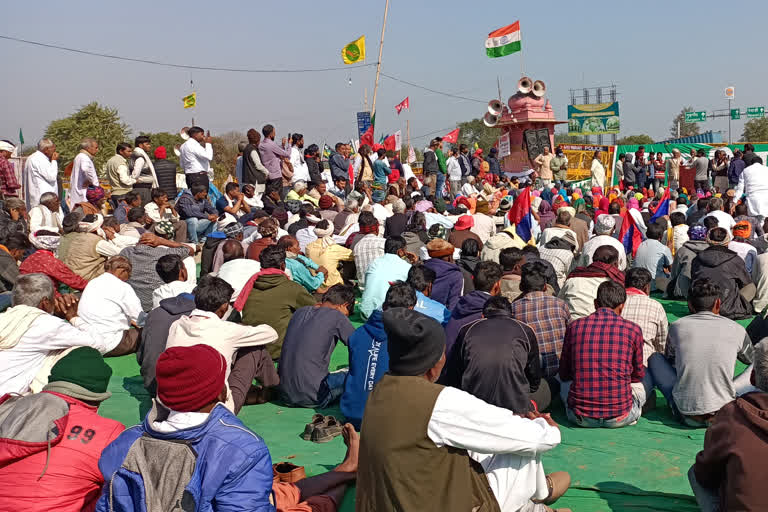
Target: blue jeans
x=665 y=378
x=332 y=388
x=440 y=185
x=621 y=421
x=198 y=229
x=5 y=301
x=707 y=499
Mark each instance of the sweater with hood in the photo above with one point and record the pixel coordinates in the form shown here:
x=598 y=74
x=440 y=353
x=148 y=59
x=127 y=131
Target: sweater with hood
x=448 y=284
x=726 y=269
x=735 y=454
x=467 y=265
x=469 y=308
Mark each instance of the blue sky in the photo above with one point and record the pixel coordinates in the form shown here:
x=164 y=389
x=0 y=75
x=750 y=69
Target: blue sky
x=662 y=56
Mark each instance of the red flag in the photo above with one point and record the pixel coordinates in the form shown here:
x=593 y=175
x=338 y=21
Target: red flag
x=367 y=137
x=520 y=214
x=403 y=105
x=390 y=143
x=452 y=137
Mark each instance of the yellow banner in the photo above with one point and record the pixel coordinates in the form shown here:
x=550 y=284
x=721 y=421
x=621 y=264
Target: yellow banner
x=190 y=100
x=354 y=52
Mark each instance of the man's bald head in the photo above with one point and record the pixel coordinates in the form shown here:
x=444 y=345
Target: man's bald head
x=232 y=250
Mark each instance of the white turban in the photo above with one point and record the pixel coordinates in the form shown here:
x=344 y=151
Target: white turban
x=7 y=146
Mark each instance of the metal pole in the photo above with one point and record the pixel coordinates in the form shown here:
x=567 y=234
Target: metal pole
x=729 y=120
x=408 y=135
x=378 y=64
x=522 y=67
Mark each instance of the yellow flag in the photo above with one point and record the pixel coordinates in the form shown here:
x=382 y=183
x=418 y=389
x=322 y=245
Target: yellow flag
x=190 y=101
x=354 y=52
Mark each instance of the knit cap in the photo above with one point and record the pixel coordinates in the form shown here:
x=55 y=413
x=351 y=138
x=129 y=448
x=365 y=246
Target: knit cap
x=81 y=374
x=189 y=378
x=415 y=342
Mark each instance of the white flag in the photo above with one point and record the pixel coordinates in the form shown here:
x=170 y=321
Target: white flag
x=398 y=141
x=411 y=155
x=504 y=149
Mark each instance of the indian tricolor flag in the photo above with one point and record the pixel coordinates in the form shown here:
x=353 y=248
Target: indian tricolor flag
x=503 y=41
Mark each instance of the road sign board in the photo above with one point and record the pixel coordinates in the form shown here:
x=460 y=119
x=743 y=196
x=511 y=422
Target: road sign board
x=735 y=113
x=363 y=122
x=695 y=117
x=756 y=112
x=730 y=93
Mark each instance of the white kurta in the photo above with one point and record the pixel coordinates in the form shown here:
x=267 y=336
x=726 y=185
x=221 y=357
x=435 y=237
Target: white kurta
x=195 y=158
x=39 y=177
x=300 y=169
x=509 y=447
x=40 y=217
x=83 y=173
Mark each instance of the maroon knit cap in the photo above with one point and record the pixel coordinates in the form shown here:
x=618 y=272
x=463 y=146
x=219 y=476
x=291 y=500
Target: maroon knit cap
x=189 y=378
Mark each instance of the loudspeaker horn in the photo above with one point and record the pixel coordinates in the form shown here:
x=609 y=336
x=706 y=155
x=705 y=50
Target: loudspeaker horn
x=490 y=120
x=539 y=89
x=495 y=107
x=183 y=133
x=524 y=85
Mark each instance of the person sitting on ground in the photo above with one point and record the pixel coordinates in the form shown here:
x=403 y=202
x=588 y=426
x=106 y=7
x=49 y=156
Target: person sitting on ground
x=306 y=217
x=696 y=213
x=448 y=430
x=160 y=209
x=80 y=248
x=368 y=356
x=197 y=211
x=604 y=235
x=138 y=220
x=110 y=308
x=95 y=197
x=696 y=373
x=47 y=215
x=461 y=231
x=580 y=288
x=468 y=260
x=647 y=313
x=680 y=276
x=734 y=446
x=346 y=217
x=496 y=359
x=13 y=217
x=501 y=240
x=470 y=306
x=449 y=282
x=224 y=465
x=679 y=231
x=125 y=204
x=532 y=255
x=268 y=229
x=236 y=269
x=32 y=339
x=715 y=209
x=326 y=253
x=12 y=250
x=742 y=232
x=655 y=257
x=232 y=206
x=309 y=342
x=511 y=259
x=740 y=213
x=271 y=198
x=328 y=207
x=395 y=225
x=144 y=256
x=242 y=345
x=393 y=265
x=367 y=245
x=270 y=298
x=608 y=391
x=548 y=316
x=44 y=261
x=562 y=225
x=173 y=273
x=62 y=436
x=303 y=270
x=421 y=279
x=726 y=269
x=299 y=193
x=559 y=251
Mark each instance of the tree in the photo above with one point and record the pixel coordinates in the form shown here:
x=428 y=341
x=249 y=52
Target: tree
x=632 y=140
x=564 y=138
x=95 y=121
x=686 y=129
x=169 y=140
x=225 y=154
x=475 y=131
x=755 y=130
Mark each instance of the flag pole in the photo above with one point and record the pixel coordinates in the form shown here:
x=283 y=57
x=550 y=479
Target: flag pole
x=522 y=67
x=378 y=63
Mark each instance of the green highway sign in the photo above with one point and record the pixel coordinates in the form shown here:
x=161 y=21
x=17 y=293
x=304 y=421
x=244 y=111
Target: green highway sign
x=756 y=112
x=735 y=113
x=695 y=117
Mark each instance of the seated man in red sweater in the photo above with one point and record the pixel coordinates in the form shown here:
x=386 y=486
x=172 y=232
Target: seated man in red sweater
x=44 y=261
x=55 y=467
x=728 y=472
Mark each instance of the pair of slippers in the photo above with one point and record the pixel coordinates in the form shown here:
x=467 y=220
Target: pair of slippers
x=322 y=429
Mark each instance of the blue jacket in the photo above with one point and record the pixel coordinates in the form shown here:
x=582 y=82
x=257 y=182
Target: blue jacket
x=432 y=308
x=299 y=268
x=368 y=362
x=469 y=308
x=189 y=207
x=233 y=469
x=380 y=171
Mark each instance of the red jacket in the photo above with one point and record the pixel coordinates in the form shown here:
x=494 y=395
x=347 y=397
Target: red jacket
x=72 y=480
x=44 y=262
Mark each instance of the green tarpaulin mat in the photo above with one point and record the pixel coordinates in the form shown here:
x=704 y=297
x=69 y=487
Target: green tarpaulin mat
x=639 y=468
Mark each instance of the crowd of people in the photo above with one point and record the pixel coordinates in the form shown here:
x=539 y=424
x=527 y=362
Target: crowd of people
x=475 y=322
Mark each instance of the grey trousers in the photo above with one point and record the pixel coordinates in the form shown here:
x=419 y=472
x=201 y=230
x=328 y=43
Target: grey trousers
x=251 y=363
